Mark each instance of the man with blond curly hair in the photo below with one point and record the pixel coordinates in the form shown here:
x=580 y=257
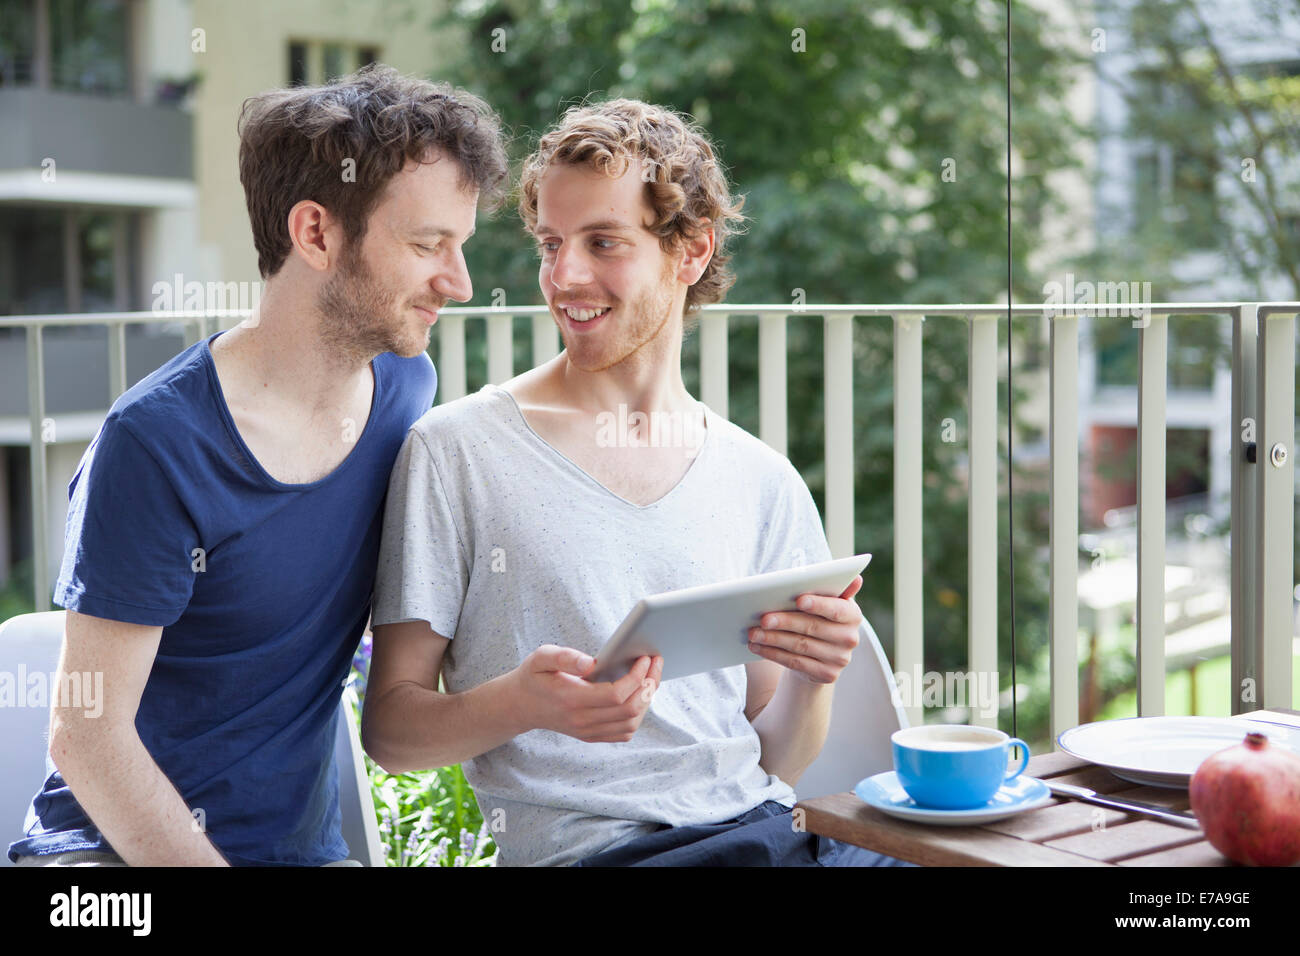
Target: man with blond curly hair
x=525 y=521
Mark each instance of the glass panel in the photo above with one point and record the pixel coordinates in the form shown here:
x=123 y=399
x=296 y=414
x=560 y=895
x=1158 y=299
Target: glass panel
x=88 y=45
x=31 y=261
x=17 y=42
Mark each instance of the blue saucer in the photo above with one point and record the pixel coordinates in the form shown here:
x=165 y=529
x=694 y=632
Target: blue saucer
x=886 y=794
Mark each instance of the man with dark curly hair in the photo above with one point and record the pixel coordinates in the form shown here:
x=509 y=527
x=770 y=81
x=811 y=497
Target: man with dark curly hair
x=525 y=521
x=224 y=524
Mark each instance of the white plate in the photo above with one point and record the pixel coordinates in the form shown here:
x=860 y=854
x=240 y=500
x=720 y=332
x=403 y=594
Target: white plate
x=886 y=794
x=1165 y=751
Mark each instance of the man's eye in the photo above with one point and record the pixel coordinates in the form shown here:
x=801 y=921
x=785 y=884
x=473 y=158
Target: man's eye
x=427 y=249
x=604 y=243
x=546 y=245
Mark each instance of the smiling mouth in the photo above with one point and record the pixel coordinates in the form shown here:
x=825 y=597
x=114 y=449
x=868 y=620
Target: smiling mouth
x=585 y=315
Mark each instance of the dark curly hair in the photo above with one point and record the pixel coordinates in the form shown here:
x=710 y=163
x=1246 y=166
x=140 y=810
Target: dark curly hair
x=295 y=144
x=689 y=183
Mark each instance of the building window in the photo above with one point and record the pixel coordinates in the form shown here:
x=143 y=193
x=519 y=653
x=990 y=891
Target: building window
x=1175 y=160
x=314 y=62
x=67 y=260
x=79 y=45
x=333 y=60
x=1147 y=188
x=31 y=261
x=1195 y=346
x=1291 y=229
x=1115 y=343
x=298 y=64
x=88 y=46
x=17 y=43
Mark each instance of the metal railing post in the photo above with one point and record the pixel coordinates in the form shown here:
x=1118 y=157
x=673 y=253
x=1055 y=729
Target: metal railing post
x=41 y=593
x=1152 y=378
x=908 y=479
x=501 y=348
x=116 y=361
x=546 y=339
x=772 y=397
x=451 y=358
x=1244 y=515
x=713 y=363
x=982 y=512
x=1275 y=481
x=838 y=406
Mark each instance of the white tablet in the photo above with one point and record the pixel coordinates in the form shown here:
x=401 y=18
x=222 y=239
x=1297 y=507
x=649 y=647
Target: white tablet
x=707 y=627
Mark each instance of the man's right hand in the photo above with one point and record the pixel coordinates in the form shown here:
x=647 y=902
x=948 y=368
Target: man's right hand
x=553 y=695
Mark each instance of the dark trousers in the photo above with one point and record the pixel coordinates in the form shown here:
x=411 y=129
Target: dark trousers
x=764 y=836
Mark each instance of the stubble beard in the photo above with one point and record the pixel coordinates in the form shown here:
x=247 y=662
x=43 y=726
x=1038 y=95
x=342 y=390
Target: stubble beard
x=359 y=318
x=654 y=308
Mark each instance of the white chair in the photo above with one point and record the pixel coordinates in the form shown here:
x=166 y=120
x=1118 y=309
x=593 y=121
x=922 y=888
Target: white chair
x=30 y=644
x=864 y=715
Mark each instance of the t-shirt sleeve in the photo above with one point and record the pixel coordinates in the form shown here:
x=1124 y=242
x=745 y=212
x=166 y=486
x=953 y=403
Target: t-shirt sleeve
x=129 y=544
x=423 y=571
x=795 y=536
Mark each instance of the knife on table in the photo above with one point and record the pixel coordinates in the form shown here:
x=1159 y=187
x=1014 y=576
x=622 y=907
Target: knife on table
x=1119 y=803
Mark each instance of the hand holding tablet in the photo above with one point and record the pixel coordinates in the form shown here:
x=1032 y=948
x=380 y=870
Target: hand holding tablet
x=815 y=642
x=705 y=628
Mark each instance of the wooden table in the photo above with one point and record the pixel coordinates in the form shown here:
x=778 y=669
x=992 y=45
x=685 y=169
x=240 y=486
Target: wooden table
x=1063 y=833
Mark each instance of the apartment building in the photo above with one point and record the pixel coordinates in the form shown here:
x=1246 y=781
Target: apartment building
x=119 y=179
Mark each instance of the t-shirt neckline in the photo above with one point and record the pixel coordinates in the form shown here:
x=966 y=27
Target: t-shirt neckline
x=709 y=427
x=229 y=420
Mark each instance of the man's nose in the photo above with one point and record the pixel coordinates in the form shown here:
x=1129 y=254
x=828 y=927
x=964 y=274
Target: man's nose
x=570 y=268
x=454 y=283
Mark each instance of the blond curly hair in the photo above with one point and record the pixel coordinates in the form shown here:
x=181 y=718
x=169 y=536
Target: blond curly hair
x=688 y=186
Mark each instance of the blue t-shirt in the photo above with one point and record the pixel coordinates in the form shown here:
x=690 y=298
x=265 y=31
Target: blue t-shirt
x=262 y=588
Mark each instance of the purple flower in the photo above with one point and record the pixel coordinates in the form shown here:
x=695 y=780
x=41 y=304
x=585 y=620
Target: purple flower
x=440 y=851
x=361 y=659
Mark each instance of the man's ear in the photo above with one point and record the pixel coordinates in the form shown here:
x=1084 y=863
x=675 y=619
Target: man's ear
x=315 y=234
x=696 y=254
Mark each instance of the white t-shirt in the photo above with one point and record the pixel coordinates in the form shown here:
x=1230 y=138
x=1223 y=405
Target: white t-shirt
x=503 y=544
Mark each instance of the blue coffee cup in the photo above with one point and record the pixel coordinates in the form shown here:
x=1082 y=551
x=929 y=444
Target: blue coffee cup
x=953 y=766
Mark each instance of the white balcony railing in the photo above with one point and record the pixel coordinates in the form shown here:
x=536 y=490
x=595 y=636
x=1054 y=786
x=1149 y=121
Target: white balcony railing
x=1263 y=480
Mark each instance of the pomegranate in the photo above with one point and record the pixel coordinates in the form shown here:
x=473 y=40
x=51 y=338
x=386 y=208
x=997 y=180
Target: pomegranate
x=1247 y=800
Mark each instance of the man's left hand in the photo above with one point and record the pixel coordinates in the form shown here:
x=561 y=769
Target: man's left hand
x=815 y=642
